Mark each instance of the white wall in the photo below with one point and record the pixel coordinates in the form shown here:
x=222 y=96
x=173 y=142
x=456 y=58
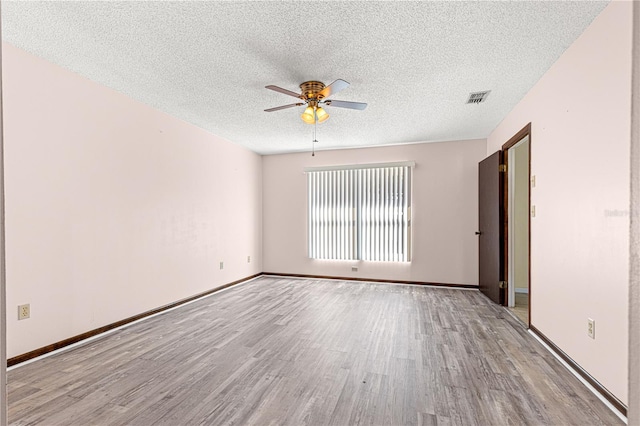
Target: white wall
x=521 y=217
x=114 y=208
x=3 y=292
x=634 y=293
x=580 y=115
x=445 y=206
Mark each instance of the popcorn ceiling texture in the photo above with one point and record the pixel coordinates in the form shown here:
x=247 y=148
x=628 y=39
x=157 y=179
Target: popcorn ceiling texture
x=207 y=63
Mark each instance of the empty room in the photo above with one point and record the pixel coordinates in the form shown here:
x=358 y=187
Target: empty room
x=321 y=213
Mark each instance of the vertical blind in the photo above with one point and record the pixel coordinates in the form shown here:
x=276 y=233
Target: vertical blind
x=360 y=213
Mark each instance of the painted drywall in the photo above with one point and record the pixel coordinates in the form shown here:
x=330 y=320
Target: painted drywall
x=444 y=212
x=521 y=219
x=580 y=126
x=3 y=292
x=113 y=208
x=634 y=282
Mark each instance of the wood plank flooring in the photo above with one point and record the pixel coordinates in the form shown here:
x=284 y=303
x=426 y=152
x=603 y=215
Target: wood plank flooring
x=521 y=310
x=292 y=352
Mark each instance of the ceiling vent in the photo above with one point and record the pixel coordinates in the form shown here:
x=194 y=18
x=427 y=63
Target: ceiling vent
x=478 y=97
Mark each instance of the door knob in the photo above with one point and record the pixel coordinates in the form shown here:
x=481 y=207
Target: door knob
x=478 y=232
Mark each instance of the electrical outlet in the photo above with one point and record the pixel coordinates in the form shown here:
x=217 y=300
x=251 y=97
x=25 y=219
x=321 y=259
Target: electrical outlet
x=591 y=328
x=354 y=269
x=221 y=265
x=24 y=311
x=248 y=259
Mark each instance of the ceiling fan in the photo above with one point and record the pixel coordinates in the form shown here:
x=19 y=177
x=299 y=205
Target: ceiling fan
x=314 y=94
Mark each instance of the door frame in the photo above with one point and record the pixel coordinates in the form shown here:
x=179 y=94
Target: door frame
x=524 y=132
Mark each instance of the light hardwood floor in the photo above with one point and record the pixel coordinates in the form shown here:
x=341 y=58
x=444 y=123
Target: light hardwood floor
x=292 y=352
x=521 y=310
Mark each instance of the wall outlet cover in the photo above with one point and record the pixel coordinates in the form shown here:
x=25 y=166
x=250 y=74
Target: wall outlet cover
x=24 y=311
x=591 y=328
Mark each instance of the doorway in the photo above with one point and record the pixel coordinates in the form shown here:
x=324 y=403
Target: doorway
x=517 y=157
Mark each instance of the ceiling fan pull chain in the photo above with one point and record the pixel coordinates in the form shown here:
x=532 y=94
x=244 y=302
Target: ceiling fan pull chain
x=313 y=142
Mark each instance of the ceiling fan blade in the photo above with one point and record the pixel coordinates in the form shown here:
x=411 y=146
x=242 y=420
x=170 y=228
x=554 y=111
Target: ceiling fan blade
x=281 y=90
x=284 y=107
x=345 y=104
x=333 y=88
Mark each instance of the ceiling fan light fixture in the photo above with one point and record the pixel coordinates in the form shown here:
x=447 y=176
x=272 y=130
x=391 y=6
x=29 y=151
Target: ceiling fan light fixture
x=313 y=94
x=322 y=115
x=308 y=116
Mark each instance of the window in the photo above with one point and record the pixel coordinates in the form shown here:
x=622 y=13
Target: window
x=360 y=213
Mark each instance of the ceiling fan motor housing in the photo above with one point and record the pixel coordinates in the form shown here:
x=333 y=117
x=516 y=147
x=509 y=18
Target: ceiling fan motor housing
x=311 y=89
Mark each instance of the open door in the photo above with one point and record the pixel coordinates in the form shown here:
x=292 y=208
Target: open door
x=490 y=223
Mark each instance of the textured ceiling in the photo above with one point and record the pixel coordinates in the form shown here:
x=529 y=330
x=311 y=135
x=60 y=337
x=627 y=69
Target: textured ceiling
x=414 y=63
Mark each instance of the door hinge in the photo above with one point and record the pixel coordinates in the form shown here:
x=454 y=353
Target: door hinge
x=503 y=284
x=502 y=168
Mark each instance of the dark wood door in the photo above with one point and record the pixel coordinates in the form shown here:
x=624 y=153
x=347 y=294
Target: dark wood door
x=490 y=221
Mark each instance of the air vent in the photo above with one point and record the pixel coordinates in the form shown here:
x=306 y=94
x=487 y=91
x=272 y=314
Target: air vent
x=477 y=97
